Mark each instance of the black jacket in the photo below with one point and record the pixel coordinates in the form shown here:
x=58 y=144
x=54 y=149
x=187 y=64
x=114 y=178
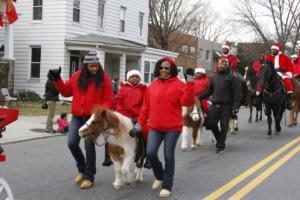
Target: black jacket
x=51 y=93
x=224 y=88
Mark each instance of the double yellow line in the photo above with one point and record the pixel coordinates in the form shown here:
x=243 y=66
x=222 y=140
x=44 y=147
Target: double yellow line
x=259 y=179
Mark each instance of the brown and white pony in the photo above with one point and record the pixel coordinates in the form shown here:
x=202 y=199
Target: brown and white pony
x=193 y=120
x=295 y=102
x=115 y=128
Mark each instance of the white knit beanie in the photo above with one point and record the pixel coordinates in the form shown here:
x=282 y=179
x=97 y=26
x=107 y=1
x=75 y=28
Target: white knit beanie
x=133 y=72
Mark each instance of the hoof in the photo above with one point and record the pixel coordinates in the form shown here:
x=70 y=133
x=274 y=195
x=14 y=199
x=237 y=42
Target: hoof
x=249 y=121
x=232 y=132
x=194 y=146
x=184 y=149
x=268 y=136
x=117 y=187
x=290 y=125
x=236 y=129
x=256 y=120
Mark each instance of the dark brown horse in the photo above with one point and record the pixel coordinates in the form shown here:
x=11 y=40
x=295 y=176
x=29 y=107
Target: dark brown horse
x=253 y=99
x=295 y=102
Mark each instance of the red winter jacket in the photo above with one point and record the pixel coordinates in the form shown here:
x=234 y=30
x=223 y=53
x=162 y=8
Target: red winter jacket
x=285 y=64
x=201 y=84
x=296 y=67
x=162 y=104
x=256 y=67
x=83 y=102
x=129 y=99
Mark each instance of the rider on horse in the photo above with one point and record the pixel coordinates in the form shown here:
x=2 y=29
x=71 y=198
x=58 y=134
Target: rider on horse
x=257 y=64
x=226 y=54
x=296 y=64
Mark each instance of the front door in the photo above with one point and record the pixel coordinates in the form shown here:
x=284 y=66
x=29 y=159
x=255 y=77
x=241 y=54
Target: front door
x=74 y=64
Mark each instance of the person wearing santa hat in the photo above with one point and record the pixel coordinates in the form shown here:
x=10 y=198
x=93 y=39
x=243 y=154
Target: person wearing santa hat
x=201 y=84
x=284 y=68
x=162 y=111
x=296 y=64
x=257 y=64
x=230 y=57
x=129 y=101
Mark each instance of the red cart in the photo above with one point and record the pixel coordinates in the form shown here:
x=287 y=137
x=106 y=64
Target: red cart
x=7 y=116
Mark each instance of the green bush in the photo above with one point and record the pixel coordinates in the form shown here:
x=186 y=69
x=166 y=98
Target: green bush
x=33 y=96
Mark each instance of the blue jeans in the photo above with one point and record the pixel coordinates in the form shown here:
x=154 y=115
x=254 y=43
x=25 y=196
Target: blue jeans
x=155 y=139
x=88 y=166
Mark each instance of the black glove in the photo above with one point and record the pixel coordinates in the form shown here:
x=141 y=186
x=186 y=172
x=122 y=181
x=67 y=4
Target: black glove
x=55 y=73
x=137 y=129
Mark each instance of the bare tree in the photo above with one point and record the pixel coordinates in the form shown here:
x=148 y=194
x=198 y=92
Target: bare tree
x=282 y=14
x=208 y=25
x=171 y=17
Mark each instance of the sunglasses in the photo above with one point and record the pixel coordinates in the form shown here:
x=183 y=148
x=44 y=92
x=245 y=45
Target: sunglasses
x=165 y=68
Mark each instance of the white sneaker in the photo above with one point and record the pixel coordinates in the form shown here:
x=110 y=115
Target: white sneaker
x=156 y=185
x=164 y=193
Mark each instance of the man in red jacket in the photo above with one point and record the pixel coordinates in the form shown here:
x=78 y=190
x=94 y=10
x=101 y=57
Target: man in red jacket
x=257 y=64
x=296 y=64
x=284 y=68
x=230 y=57
x=89 y=86
x=201 y=84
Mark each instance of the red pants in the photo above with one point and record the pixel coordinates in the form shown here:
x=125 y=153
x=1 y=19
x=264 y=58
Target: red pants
x=287 y=84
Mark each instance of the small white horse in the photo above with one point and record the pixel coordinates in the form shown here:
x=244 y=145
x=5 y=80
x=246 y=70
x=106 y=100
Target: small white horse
x=193 y=120
x=115 y=128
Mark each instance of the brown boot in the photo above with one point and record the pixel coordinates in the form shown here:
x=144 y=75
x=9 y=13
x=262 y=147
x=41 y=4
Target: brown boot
x=86 y=184
x=79 y=178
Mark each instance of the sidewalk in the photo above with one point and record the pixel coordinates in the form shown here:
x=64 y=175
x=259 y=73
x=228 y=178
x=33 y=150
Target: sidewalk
x=27 y=128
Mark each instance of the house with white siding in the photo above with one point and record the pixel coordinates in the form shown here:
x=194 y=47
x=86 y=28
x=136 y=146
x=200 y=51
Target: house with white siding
x=53 y=33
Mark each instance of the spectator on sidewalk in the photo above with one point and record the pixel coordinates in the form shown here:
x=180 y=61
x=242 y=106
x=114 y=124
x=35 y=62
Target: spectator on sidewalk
x=51 y=97
x=63 y=123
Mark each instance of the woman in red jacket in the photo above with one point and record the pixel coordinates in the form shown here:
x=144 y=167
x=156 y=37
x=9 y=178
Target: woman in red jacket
x=89 y=86
x=129 y=101
x=161 y=111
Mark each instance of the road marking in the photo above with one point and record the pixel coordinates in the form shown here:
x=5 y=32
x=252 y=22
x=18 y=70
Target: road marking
x=263 y=176
x=228 y=186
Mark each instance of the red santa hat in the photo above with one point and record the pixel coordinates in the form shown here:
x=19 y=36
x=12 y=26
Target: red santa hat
x=168 y=59
x=276 y=46
x=133 y=72
x=200 y=69
x=226 y=46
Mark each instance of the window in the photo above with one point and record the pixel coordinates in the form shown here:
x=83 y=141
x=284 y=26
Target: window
x=148 y=71
x=122 y=19
x=207 y=57
x=76 y=11
x=141 y=22
x=37 y=10
x=101 y=5
x=200 y=54
x=185 y=49
x=35 y=62
x=193 y=51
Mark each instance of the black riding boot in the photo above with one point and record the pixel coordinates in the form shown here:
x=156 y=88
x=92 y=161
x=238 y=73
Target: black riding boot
x=289 y=101
x=107 y=161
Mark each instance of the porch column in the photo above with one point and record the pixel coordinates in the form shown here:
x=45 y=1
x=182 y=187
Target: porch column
x=101 y=55
x=122 y=67
x=9 y=41
x=141 y=64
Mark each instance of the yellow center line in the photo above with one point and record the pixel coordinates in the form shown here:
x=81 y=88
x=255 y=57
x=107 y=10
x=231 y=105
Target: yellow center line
x=219 y=192
x=263 y=176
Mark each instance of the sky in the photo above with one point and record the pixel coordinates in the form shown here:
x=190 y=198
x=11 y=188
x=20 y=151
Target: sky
x=226 y=9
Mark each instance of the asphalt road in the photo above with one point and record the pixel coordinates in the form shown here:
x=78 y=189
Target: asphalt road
x=44 y=169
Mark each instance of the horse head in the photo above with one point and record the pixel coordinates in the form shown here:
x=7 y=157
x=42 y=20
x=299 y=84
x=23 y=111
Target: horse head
x=267 y=73
x=102 y=121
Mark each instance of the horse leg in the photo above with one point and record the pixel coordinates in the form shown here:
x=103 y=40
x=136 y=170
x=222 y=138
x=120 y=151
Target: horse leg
x=194 y=136
x=199 y=136
x=296 y=114
x=185 y=137
x=250 y=117
x=236 y=124
x=268 y=112
x=277 y=117
x=291 y=118
x=260 y=117
x=256 y=116
x=231 y=126
x=139 y=174
x=126 y=166
x=118 y=174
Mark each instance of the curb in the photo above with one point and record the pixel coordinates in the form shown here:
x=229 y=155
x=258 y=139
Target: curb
x=30 y=139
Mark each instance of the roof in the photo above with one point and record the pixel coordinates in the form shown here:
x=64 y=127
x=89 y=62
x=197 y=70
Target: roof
x=107 y=41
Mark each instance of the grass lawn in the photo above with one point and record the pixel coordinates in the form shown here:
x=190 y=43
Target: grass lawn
x=35 y=108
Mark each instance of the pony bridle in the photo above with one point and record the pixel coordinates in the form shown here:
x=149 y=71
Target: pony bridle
x=105 y=132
